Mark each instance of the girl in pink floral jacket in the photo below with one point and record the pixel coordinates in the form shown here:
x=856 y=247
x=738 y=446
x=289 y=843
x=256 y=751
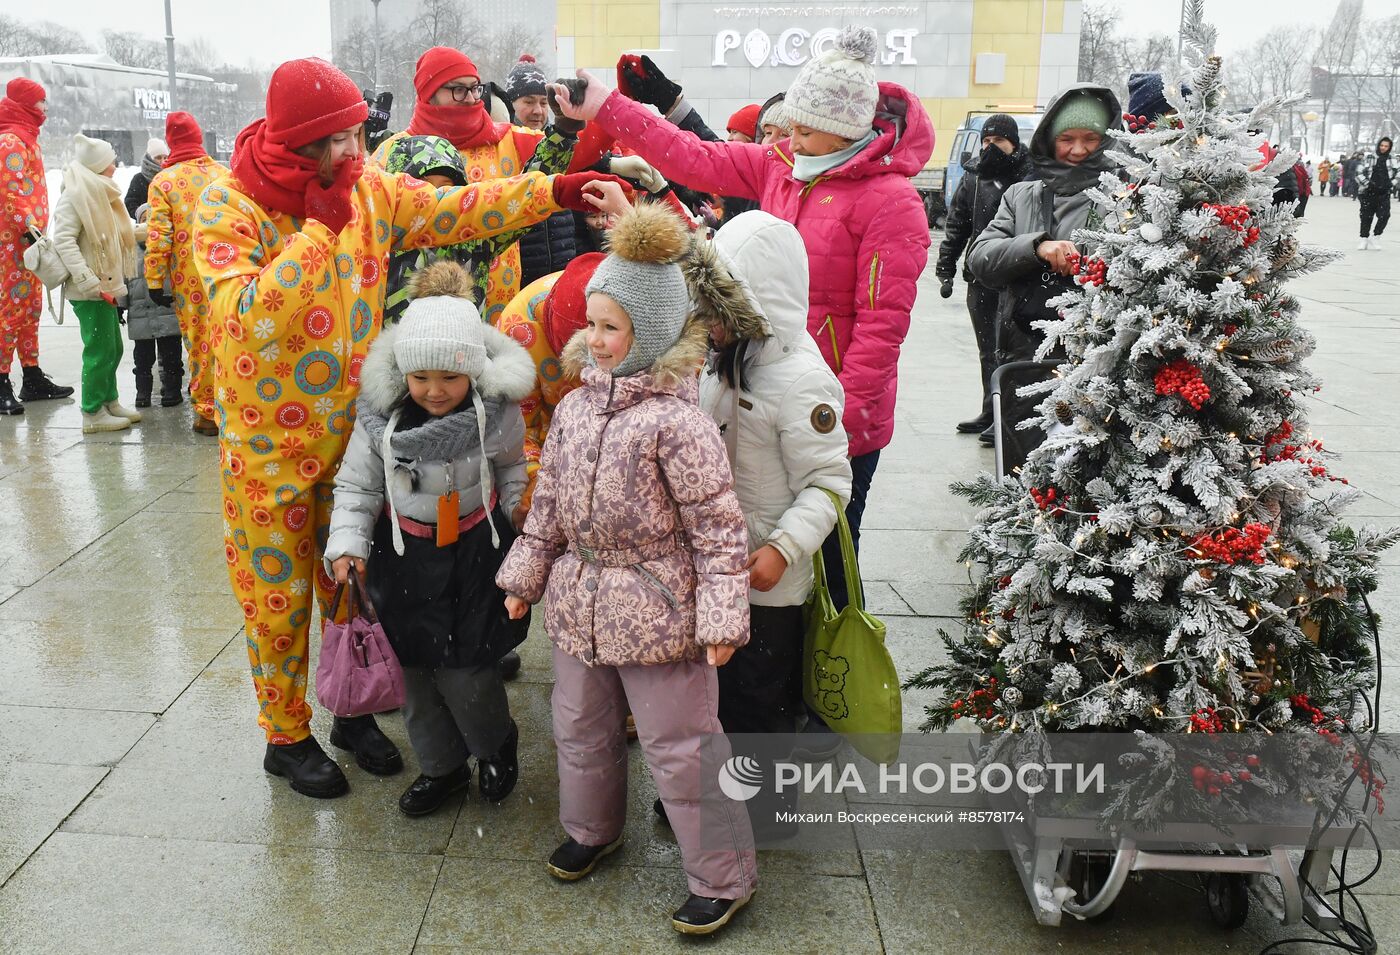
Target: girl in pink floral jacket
x=636 y=541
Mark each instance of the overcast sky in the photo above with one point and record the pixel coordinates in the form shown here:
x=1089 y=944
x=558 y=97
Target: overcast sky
x=275 y=30
x=268 y=31
x=1240 y=22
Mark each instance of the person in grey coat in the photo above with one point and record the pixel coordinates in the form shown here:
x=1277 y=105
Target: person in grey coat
x=1024 y=251
x=434 y=465
x=153 y=330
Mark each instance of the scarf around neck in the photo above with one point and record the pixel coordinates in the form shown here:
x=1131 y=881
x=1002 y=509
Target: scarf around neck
x=464 y=126
x=275 y=176
x=436 y=439
x=23 y=121
x=185 y=152
x=807 y=168
x=1066 y=180
x=98 y=202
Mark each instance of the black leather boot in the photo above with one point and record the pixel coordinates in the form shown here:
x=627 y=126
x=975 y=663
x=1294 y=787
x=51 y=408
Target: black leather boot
x=307 y=767
x=40 y=387
x=374 y=752
x=428 y=793
x=8 y=403
x=574 y=860
x=497 y=776
x=702 y=916
x=508 y=666
x=979 y=423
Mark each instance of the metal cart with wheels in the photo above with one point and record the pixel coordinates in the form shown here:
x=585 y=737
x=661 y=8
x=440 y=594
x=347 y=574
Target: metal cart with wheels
x=1066 y=868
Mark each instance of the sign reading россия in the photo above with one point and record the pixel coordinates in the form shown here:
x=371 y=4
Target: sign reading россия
x=795 y=45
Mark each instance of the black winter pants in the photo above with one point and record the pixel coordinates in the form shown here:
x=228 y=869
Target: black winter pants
x=1374 y=206
x=760 y=691
x=862 y=474
x=982 y=309
x=172 y=368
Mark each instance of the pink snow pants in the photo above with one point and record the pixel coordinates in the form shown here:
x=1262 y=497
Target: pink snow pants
x=675 y=707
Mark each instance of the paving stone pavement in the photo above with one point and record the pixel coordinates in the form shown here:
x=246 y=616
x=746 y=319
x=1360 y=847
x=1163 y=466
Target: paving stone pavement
x=134 y=815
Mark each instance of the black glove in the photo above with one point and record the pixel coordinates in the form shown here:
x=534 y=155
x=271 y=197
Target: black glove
x=946 y=289
x=642 y=80
x=161 y=297
x=570 y=127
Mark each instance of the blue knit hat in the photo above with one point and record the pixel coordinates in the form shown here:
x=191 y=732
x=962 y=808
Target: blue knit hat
x=1147 y=95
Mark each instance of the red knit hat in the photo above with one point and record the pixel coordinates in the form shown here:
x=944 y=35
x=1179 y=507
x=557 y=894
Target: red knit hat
x=308 y=100
x=566 y=309
x=182 y=129
x=437 y=66
x=746 y=121
x=25 y=91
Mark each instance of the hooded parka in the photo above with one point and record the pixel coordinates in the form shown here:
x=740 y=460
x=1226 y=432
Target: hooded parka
x=782 y=425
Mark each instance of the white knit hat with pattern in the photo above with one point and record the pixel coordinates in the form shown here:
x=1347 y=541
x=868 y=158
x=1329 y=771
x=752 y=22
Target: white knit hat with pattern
x=836 y=92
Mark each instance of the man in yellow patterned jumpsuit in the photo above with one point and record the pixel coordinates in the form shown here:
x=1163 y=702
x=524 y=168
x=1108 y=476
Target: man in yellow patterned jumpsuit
x=292 y=247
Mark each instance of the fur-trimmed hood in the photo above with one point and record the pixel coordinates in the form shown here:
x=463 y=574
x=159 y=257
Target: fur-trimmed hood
x=509 y=375
x=753 y=278
x=673 y=373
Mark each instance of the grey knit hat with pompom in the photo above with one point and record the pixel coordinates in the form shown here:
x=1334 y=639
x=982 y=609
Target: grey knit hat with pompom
x=836 y=92
x=643 y=275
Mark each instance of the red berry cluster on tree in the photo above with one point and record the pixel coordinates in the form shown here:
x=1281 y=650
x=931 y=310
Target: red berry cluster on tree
x=1138 y=124
x=1213 y=782
x=1045 y=500
x=1277 y=447
x=1233 y=545
x=1374 y=784
x=980 y=704
x=1207 y=721
x=1236 y=219
x=1088 y=271
x=1183 y=378
x=1301 y=703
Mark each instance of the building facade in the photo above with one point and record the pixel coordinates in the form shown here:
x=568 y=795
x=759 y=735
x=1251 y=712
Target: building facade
x=92 y=94
x=959 y=56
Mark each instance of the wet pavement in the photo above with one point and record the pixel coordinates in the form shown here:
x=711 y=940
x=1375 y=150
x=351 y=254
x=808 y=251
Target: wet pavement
x=134 y=814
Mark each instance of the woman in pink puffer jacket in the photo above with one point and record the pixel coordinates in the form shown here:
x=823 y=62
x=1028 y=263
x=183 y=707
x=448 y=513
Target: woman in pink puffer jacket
x=637 y=544
x=843 y=181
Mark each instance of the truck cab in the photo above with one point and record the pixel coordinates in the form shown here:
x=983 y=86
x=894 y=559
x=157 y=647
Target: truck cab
x=967 y=143
x=937 y=184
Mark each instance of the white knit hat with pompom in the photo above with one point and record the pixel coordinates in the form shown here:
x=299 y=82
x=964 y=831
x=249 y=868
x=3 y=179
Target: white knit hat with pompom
x=836 y=92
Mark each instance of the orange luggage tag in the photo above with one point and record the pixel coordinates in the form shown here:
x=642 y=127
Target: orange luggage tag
x=448 y=514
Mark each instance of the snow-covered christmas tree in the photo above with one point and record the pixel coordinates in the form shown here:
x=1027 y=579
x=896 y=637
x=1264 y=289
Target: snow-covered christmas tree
x=1172 y=558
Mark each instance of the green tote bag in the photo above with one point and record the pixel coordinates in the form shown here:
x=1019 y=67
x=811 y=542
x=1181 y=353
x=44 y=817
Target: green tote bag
x=847 y=674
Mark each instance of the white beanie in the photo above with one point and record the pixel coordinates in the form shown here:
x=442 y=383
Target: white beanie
x=836 y=92
x=95 y=154
x=155 y=146
x=441 y=328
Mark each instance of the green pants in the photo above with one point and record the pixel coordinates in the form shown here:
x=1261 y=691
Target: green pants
x=102 y=352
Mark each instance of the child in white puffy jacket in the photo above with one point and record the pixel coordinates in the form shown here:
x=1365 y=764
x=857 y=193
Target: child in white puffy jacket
x=779 y=407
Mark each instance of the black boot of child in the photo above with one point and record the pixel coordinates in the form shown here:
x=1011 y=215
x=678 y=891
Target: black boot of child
x=143 y=358
x=498 y=775
x=172 y=371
